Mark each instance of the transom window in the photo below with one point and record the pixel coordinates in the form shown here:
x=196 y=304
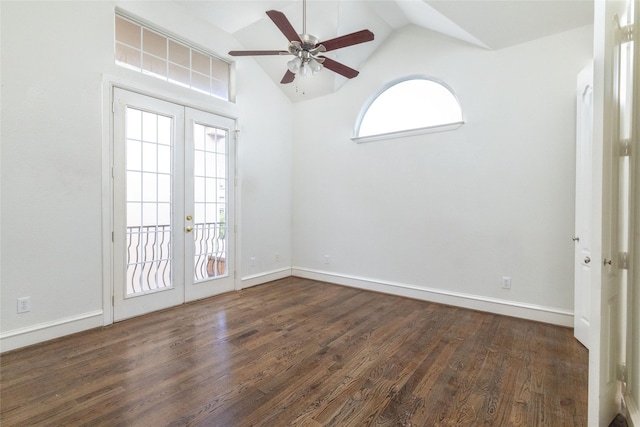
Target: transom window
x=150 y=52
x=409 y=106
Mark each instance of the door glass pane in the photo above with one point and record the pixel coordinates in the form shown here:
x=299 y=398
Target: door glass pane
x=148 y=190
x=210 y=199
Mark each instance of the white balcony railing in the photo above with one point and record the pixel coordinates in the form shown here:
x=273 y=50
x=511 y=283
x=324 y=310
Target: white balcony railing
x=150 y=255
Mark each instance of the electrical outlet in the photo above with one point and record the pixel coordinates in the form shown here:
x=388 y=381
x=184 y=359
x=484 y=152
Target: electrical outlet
x=24 y=305
x=277 y=257
x=252 y=261
x=506 y=282
x=327 y=259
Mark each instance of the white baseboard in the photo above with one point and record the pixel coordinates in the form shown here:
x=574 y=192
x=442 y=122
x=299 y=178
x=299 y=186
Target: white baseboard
x=23 y=337
x=538 y=313
x=259 y=279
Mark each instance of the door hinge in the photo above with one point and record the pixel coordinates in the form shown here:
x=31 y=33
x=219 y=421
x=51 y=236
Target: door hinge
x=626 y=33
x=621 y=374
x=624 y=260
x=625 y=147
x=113 y=301
x=235 y=274
x=112 y=236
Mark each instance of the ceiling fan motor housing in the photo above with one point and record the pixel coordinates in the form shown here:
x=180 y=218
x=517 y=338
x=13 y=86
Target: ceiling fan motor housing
x=308 y=41
x=308 y=48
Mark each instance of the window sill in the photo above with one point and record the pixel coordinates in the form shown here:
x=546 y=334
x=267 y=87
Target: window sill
x=406 y=133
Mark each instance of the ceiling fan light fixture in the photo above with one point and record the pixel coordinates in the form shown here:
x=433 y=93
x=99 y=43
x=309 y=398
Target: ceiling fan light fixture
x=294 y=65
x=304 y=69
x=315 y=66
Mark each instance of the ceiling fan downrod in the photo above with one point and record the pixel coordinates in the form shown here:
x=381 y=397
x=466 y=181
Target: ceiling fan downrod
x=305 y=52
x=304 y=16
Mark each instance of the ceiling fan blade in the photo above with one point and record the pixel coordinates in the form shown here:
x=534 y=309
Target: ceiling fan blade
x=288 y=77
x=284 y=25
x=339 y=68
x=348 y=40
x=257 y=52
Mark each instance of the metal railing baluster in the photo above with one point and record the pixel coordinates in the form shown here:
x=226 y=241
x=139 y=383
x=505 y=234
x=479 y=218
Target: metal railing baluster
x=149 y=255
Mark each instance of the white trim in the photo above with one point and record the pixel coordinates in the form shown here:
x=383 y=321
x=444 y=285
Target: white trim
x=107 y=199
x=521 y=310
x=237 y=211
x=34 y=334
x=633 y=411
x=269 y=276
x=408 y=132
x=404 y=132
x=169 y=92
x=49 y=330
x=134 y=82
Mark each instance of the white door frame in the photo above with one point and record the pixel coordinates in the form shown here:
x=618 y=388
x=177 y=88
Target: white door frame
x=632 y=398
x=607 y=336
x=152 y=89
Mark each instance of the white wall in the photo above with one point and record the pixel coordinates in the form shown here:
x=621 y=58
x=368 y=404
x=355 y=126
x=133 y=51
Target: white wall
x=55 y=59
x=52 y=60
x=444 y=216
x=265 y=152
x=448 y=213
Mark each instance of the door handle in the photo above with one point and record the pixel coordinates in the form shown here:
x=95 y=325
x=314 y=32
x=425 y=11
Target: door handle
x=189 y=229
x=587 y=260
x=575 y=239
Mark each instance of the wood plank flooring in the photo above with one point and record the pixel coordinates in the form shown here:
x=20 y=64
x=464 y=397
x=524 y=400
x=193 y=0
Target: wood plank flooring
x=302 y=353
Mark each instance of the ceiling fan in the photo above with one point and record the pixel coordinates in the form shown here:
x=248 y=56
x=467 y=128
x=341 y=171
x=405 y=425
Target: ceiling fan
x=306 y=48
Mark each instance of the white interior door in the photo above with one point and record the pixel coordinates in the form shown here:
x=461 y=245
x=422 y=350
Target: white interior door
x=630 y=212
x=607 y=337
x=583 y=229
x=632 y=397
x=173 y=181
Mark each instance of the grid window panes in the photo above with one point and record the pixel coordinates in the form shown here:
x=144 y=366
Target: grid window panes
x=148 y=190
x=210 y=201
x=153 y=53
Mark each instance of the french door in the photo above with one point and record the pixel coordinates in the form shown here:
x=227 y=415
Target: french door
x=173 y=204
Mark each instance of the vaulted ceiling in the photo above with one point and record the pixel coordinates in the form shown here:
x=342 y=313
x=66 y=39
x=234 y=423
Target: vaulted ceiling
x=488 y=24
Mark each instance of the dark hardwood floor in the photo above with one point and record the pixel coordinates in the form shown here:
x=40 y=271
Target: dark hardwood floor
x=303 y=353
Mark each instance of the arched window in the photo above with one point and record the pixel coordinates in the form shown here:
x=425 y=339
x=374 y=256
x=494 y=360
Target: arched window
x=409 y=106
